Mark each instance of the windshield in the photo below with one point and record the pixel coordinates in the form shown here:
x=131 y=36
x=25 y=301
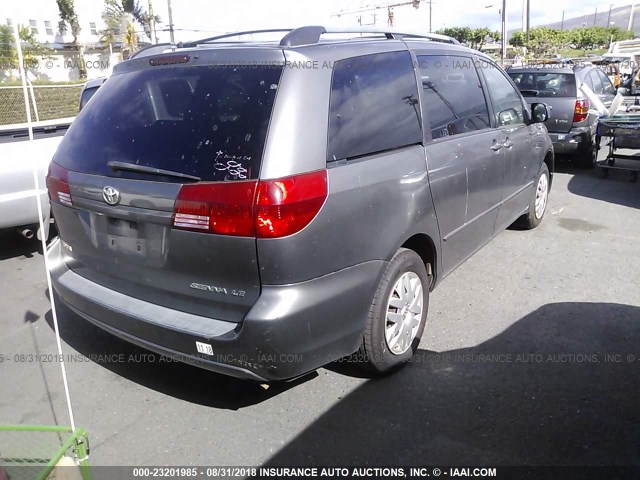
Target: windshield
x=545 y=84
x=205 y=122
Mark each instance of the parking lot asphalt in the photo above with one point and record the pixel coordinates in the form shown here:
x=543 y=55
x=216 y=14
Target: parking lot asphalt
x=531 y=357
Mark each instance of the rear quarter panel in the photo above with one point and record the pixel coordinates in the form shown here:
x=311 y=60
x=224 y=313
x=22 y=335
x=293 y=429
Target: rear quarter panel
x=374 y=206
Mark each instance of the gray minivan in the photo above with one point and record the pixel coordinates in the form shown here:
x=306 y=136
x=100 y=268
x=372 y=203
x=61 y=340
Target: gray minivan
x=572 y=123
x=261 y=209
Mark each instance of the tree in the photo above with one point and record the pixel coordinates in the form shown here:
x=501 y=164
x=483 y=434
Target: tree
x=32 y=50
x=121 y=17
x=68 y=16
x=462 y=34
x=542 y=40
x=480 y=36
x=545 y=40
x=474 y=37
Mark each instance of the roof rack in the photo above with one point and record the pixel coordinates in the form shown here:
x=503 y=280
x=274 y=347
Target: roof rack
x=310 y=35
x=230 y=35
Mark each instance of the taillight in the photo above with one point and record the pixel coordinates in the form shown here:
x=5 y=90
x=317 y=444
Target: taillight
x=225 y=208
x=58 y=185
x=581 y=111
x=264 y=209
x=287 y=205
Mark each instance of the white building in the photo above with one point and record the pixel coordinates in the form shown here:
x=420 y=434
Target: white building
x=43 y=18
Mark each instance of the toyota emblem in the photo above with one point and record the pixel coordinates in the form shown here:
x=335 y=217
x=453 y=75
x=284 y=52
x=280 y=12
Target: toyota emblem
x=111 y=195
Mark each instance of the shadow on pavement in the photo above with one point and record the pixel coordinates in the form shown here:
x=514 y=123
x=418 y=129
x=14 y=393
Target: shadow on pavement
x=543 y=392
x=14 y=245
x=618 y=190
x=172 y=378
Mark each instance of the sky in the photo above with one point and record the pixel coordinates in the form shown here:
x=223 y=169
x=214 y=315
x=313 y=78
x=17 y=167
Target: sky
x=213 y=16
x=200 y=18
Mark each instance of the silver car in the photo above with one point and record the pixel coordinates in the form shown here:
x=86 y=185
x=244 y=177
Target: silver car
x=260 y=209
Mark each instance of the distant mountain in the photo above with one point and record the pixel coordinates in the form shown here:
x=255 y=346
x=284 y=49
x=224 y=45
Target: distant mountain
x=619 y=17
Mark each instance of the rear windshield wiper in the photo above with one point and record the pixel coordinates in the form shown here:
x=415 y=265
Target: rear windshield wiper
x=530 y=93
x=150 y=170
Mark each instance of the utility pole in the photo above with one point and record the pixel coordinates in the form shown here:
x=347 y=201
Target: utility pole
x=633 y=7
x=430 y=16
x=528 y=19
x=152 y=25
x=562 y=24
x=171 y=36
x=595 y=17
x=504 y=32
x=609 y=16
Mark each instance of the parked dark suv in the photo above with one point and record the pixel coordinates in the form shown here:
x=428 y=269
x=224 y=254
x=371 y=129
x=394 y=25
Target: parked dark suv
x=261 y=209
x=571 y=123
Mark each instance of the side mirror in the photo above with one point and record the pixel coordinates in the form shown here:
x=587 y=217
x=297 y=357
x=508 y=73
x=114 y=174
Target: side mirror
x=539 y=113
x=624 y=91
x=507 y=117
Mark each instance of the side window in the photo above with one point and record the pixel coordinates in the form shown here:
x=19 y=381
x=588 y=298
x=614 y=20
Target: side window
x=598 y=89
x=507 y=103
x=607 y=86
x=86 y=95
x=373 y=105
x=453 y=100
x=589 y=82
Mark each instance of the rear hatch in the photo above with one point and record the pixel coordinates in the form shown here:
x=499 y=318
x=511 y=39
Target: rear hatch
x=153 y=185
x=557 y=90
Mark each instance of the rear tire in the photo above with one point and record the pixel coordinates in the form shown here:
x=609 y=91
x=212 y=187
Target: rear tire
x=398 y=314
x=539 y=201
x=588 y=157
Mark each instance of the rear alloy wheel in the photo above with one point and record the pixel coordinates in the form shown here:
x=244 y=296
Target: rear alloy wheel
x=398 y=313
x=538 y=205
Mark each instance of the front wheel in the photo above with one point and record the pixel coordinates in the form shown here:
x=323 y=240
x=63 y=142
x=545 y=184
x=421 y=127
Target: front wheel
x=538 y=205
x=398 y=313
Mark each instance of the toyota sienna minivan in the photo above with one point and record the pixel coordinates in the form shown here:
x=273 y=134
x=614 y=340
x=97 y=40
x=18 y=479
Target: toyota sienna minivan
x=260 y=209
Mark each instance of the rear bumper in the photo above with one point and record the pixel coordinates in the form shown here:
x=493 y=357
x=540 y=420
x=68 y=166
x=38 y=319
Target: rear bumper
x=571 y=142
x=290 y=330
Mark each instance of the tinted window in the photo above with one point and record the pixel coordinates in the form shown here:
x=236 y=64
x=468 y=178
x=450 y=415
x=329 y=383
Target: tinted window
x=507 y=103
x=545 y=84
x=86 y=95
x=588 y=82
x=607 y=86
x=373 y=106
x=209 y=123
x=598 y=88
x=452 y=94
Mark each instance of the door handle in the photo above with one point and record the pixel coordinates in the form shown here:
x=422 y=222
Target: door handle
x=496 y=146
x=508 y=143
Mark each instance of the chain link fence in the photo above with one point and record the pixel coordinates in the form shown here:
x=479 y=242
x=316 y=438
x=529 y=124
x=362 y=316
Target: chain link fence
x=51 y=102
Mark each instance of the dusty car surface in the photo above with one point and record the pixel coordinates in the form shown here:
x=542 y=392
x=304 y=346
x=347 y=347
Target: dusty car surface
x=19 y=156
x=260 y=209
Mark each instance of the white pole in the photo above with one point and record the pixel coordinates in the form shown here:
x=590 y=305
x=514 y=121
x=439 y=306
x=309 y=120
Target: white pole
x=43 y=239
x=633 y=7
x=171 y=35
x=504 y=32
x=33 y=99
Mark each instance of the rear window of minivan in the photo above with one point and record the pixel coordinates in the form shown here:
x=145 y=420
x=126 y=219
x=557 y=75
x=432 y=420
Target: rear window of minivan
x=545 y=84
x=200 y=121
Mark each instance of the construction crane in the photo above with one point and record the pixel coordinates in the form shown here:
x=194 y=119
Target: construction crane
x=389 y=6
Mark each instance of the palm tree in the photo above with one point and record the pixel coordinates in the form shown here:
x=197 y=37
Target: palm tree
x=121 y=17
x=68 y=16
x=32 y=50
